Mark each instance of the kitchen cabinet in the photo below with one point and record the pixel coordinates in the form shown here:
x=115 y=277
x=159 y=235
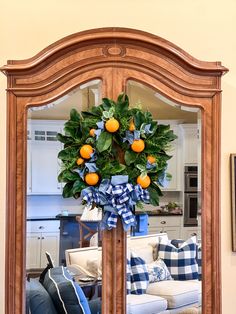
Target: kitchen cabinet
x=174 y=164
x=42 y=236
x=190 y=144
x=43 y=165
x=171 y=225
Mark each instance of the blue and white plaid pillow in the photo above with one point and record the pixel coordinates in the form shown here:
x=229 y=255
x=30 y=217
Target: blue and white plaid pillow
x=181 y=261
x=139 y=275
x=199 y=260
x=158 y=271
x=128 y=277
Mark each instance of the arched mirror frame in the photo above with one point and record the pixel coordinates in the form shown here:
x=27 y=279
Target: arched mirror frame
x=114 y=55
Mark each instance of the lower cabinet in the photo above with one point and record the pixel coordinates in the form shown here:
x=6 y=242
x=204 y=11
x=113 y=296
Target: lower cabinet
x=42 y=236
x=188 y=232
x=165 y=224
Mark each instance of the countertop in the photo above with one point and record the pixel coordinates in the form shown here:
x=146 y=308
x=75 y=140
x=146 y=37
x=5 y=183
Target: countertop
x=42 y=218
x=72 y=216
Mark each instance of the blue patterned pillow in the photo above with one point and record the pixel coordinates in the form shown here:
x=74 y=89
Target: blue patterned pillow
x=199 y=260
x=128 y=277
x=158 y=271
x=66 y=294
x=139 y=275
x=177 y=243
x=181 y=261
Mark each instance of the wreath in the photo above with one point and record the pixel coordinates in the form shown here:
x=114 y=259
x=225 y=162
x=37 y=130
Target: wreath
x=114 y=157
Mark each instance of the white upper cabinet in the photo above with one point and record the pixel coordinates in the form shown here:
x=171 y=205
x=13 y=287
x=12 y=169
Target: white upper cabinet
x=43 y=165
x=190 y=144
x=174 y=164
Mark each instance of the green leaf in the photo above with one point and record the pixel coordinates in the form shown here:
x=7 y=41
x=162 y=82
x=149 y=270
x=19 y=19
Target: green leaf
x=112 y=168
x=68 y=153
x=130 y=157
x=64 y=139
x=107 y=103
x=140 y=167
x=78 y=186
x=67 y=175
x=74 y=115
x=154 y=196
x=68 y=190
x=139 y=119
x=104 y=141
x=122 y=104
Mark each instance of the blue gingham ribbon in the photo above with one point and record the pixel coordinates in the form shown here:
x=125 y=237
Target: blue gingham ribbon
x=118 y=198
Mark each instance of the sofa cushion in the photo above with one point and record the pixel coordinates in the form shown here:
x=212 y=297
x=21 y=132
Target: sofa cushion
x=67 y=295
x=158 y=271
x=181 y=261
x=145 y=303
x=177 y=293
x=39 y=299
x=139 y=274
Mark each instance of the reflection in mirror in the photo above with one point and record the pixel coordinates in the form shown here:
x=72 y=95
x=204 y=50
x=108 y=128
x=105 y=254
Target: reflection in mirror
x=164 y=249
x=56 y=224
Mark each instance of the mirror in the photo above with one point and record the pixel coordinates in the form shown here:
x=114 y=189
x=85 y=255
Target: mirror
x=164 y=249
x=59 y=232
x=113 y=55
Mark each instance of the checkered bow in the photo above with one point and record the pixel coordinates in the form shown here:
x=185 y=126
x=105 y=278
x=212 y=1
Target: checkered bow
x=118 y=198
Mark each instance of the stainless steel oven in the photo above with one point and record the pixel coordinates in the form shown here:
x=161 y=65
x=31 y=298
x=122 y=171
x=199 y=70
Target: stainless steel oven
x=190 y=195
x=190 y=179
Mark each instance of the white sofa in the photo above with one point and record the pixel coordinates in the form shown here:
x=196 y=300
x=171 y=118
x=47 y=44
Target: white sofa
x=170 y=296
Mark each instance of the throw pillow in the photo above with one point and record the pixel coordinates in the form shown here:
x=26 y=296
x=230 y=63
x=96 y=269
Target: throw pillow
x=39 y=299
x=181 y=261
x=128 y=277
x=67 y=295
x=177 y=243
x=158 y=271
x=139 y=275
x=199 y=260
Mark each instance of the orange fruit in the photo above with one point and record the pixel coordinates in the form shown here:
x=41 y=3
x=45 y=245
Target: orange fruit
x=112 y=125
x=144 y=181
x=132 y=126
x=138 y=146
x=151 y=159
x=91 y=132
x=79 y=161
x=91 y=178
x=86 y=151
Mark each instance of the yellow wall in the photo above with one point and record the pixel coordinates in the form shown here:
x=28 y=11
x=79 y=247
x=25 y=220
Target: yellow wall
x=206 y=29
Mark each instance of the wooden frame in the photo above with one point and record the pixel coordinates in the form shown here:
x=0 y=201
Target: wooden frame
x=233 y=198
x=113 y=55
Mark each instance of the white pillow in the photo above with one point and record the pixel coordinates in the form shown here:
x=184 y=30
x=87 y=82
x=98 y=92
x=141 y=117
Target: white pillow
x=158 y=271
x=94 y=266
x=145 y=252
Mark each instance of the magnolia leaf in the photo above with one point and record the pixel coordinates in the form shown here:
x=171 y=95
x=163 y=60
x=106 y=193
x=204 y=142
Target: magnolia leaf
x=64 y=139
x=106 y=115
x=117 y=169
x=143 y=174
x=154 y=193
x=68 y=153
x=141 y=167
x=130 y=157
x=122 y=104
x=74 y=115
x=67 y=175
x=78 y=186
x=68 y=190
x=104 y=141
